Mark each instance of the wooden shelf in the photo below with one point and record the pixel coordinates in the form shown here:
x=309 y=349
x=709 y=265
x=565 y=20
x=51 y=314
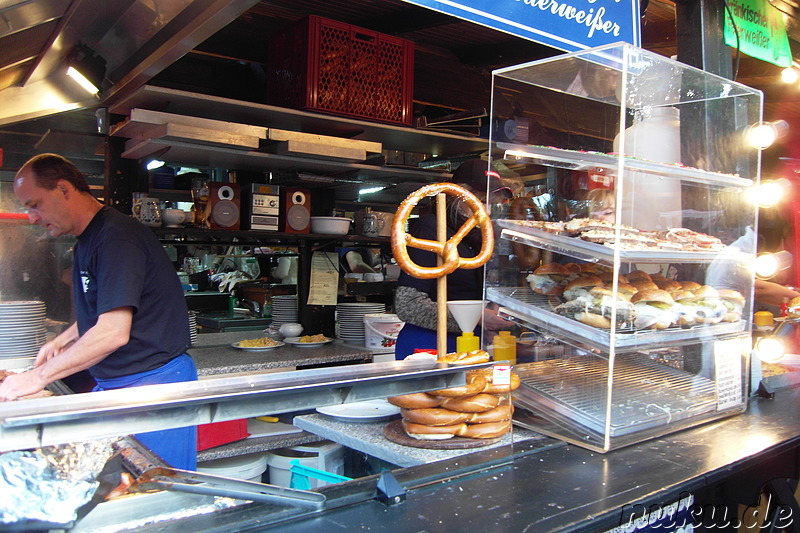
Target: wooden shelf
x=251 y=237
x=392 y=137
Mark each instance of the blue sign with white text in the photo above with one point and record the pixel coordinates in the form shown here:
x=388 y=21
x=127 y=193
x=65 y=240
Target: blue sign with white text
x=569 y=25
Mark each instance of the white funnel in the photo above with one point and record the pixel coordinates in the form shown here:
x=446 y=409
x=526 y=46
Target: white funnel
x=466 y=312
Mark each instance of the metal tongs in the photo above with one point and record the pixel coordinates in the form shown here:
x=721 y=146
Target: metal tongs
x=161 y=478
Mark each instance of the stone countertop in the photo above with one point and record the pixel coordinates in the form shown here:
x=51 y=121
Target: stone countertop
x=213 y=355
x=368 y=438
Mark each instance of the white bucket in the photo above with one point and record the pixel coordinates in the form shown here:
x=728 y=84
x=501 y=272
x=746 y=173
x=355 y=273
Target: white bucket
x=324 y=455
x=248 y=467
x=381 y=330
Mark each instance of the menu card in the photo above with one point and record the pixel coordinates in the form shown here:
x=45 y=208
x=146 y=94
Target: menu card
x=324 y=278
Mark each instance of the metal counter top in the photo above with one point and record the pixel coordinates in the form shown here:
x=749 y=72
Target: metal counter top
x=560 y=488
x=214 y=355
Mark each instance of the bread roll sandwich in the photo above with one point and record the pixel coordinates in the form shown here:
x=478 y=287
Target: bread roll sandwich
x=595 y=308
x=669 y=285
x=638 y=275
x=548 y=279
x=654 y=309
x=793 y=311
x=709 y=308
x=734 y=303
x=689 y=285
x=581 y=286
x=684 y=306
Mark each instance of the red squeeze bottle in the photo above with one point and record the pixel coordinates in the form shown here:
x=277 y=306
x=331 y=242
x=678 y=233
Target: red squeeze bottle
x=785 y=307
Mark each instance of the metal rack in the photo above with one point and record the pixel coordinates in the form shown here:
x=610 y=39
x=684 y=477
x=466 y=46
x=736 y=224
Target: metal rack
x=646 y=394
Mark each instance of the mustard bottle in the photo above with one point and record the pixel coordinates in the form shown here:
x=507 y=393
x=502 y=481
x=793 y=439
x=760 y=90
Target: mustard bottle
x=505 y=347
x=468 y=342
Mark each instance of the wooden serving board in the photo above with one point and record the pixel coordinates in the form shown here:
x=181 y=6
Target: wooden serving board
x=394 y=432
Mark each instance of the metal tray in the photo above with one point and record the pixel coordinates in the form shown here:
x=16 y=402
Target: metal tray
x=538 y=310
x=594 y=252
x=645 y=394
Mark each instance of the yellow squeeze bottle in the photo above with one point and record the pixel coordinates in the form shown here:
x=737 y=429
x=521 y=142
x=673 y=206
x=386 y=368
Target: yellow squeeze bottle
x=505 y=347
x=467 y=342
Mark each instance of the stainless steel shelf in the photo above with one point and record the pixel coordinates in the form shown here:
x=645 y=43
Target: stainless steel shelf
x=537 y=310
x=60 y=419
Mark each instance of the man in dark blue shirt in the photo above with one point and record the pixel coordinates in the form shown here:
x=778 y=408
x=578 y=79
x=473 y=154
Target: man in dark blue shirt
x=132 y=326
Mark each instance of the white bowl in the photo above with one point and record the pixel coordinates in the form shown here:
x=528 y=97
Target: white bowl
x=330 y=225
x=291 y=329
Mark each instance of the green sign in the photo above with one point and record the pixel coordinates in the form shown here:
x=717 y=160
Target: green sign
x=761 y=31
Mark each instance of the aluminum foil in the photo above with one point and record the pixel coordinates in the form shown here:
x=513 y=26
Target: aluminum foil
x=50 y=484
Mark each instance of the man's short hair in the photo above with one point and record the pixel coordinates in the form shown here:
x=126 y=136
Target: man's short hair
x=47 y=169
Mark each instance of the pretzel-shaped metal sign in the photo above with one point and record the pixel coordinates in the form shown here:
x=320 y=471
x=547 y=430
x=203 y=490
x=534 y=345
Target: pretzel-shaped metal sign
x=447 y=250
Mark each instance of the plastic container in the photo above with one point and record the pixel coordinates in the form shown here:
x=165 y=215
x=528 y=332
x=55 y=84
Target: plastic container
x=324 y=455
x=330 y=225
x=468 y=342
x=505 y=347
x=219 y=433
x=654 y=136
x=320 y=64
x=381 y=330
x=248 y=467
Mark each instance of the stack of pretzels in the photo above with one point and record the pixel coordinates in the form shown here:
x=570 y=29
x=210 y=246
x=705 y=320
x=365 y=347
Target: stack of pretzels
x=479 y=409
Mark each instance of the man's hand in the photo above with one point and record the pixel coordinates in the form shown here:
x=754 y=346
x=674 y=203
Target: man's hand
x=492 y=322
x=21 y=384
x=57 y=345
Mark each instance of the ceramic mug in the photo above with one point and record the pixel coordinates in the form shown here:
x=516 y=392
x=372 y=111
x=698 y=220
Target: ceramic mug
x=372 y=225
x=173 y=218
x=148 y=212
x=136 y=203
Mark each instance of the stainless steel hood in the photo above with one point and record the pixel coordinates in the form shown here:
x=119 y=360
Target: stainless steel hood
x=136 y=39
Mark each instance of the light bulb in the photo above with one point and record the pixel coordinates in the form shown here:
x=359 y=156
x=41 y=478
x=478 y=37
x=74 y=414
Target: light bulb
x=767 y=265
x=763 y=135
x=769 y=193
x=770 y=350
x=789 y=75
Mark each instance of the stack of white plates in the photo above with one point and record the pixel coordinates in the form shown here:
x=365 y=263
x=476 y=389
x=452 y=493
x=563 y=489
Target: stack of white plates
x=192 y=327
x=22 y=328
x=284 y=309
x=350 y=319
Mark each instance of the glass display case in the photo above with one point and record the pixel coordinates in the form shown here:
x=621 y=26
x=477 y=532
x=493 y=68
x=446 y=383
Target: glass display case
x=626 y=255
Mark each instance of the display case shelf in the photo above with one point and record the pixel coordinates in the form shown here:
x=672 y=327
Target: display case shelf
x=575 y=389
x=591 y=252
x=538 y=310
x=572 y=160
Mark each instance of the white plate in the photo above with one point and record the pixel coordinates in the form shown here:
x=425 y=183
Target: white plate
x=295 y=341
x=369 y=411
x=257 y=348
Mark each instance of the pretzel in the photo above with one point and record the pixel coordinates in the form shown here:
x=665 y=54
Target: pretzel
x=447 y=250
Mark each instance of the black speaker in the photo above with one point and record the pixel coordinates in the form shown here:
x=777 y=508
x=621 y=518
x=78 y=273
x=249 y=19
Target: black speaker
x=224 y=205
x=296 y=210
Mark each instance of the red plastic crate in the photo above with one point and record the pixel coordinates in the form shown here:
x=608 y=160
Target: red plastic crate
x=219 y=433
x=323 y=65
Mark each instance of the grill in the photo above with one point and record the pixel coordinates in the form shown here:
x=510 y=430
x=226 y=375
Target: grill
x=646 y=394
